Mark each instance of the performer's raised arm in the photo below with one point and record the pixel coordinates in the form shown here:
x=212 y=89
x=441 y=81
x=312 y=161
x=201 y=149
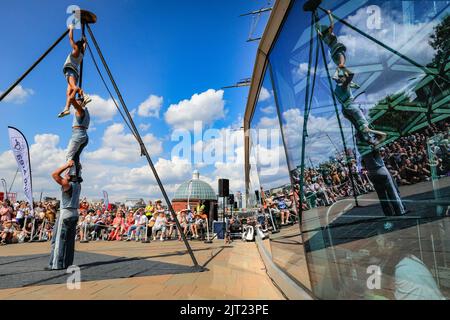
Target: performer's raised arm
x=63 y=181
x=330 y=16
x=73 y=44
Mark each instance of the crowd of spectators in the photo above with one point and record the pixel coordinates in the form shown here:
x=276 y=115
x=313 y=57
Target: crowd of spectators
x=17 y=224
x=96 y=223
x=143 y=224
x=410 y=160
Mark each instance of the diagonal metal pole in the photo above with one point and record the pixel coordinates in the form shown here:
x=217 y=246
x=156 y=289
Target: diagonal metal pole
x=14 y=180
x=15 y=84
x=305 y=122
x=143 y=148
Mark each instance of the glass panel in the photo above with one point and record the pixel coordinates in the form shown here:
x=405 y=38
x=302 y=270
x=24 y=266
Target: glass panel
x=278 y=214
x=385 y=142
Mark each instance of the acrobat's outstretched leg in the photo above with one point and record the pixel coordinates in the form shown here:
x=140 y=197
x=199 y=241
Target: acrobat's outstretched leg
x=72 y=91
x=354 y=114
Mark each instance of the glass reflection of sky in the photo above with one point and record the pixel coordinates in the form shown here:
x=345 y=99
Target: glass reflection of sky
x=405 y=26
x=267 y=142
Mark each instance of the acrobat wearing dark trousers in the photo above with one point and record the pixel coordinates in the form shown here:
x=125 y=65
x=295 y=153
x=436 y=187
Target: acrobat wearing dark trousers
x=385 y=186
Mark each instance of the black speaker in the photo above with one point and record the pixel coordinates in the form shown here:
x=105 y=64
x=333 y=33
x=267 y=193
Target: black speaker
x=215 y=210
x=257 y=195
x=224 y=188
x=231 y=199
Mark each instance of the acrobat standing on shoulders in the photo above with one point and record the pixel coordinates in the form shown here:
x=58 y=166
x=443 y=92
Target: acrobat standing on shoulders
x=79 y=140
x=344 y=79
x=71 y=71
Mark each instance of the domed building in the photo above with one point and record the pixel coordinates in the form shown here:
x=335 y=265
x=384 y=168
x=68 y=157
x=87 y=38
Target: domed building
x=193 y=192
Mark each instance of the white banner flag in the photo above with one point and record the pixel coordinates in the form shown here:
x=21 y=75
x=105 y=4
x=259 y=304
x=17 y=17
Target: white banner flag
x=19 y=147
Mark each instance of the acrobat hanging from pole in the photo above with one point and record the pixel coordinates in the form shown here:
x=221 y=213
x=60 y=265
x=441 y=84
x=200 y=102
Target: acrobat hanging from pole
x=344 y=84
x=72 y=73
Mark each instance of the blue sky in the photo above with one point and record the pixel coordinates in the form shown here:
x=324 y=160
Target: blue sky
x=171 y=50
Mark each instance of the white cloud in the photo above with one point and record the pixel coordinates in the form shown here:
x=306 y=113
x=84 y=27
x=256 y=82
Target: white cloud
x=268 y=110
x=101 y=109
x=318 y=146
x=151 y=107
x=268 y=123
x=302 y=70
x=409 y=39
x=140 y=181
x=19 y=95
x=119 y=146
x=206 y=107
x=117 y=177
x=264 y=95
x=144 y=127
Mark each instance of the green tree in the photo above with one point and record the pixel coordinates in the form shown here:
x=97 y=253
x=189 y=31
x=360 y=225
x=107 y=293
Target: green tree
x=440 y=41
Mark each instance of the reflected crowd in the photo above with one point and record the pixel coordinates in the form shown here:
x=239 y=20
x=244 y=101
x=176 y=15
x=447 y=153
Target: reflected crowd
x=407 y=159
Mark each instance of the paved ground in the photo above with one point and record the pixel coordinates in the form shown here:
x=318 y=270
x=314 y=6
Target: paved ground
x=340 y=243
x=119 y=270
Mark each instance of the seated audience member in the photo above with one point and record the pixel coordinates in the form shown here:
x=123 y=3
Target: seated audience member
x=183 y=222
x=118 y=227
x=8 y=234
x=134 y=227
x=142 y=225
x=5 y=212
x=171 y=224
x=100 y=227
x=160 y=225
x=284 y=211
x=149 y=210
x=129 y=221
x=198 y=224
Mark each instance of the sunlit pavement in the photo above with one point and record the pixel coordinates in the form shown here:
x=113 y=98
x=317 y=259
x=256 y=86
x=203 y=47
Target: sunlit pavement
x=129 y=270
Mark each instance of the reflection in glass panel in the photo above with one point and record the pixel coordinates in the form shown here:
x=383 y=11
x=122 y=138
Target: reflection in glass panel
x=384 y=142
x=278 y=206
x=253 y=197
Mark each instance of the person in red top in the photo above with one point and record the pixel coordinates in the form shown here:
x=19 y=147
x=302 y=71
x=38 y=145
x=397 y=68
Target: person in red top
x=118 y=227
x=84 y=205
x=129 y=221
